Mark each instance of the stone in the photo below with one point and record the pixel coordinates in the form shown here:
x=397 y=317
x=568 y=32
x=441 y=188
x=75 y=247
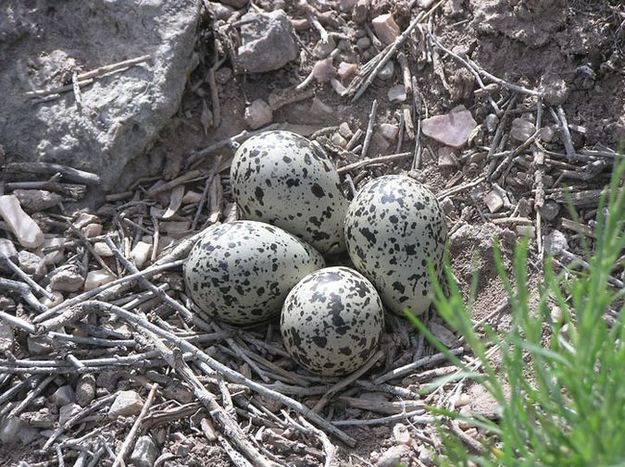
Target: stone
x=493 y=201
x=323 y=71
x=68 y=411
x=7 y=250
x=324 y=47
x=97 y=278
x=192 y=197
x=258 y=114
x=223 y=75
x=447 y=158
x=319 y=108
x=397 y=455
x=145 y=452
x=92 y=230
x=56 y=256
x=132 y=106
x=268 y=42
x=37 y=200
x=385 y=28
x=57 y=299
x=9 y=429
x=235 y=3
x=452 y=129
x=102 y=249
x=345 y=131
x=550 y=210
x=522 y=129
x=547 y=133
x=389 y=131
x=555 y=243
x=401 y=434
x=140 y=254
x=339 y=140
x=491 y=121
x=83 y=218
x=347 y=5
x=444 y=335
x=397 y=94
x=346 y=70
x=363 y=43
x=7 y=339
x=28 y=233
x=360 y=11
x=66 y=280
x=447 y=205
x=85 y=389
x=36 y=346
x=63 y=395
x=126 y=403
x=554 y=88
x=30 y=263
x=387 y=71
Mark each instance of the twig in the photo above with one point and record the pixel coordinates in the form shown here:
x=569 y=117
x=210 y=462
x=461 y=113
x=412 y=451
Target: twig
x=204 y=361
x=563 y=125
x=374 y=160
x=26 y=278
x=86 y=77
x=346 y=381
x=414 y=417
x=409 y=368
x=129 y=440
x=369 y=133
x=11 y=286
x=48 y=169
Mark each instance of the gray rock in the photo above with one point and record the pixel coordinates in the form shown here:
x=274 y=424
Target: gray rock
x=395 y=456
x=387 y=71
x=7 y=339
x=66 y=280
x=555 y=89
x=555 y=243
x=85 y=390
x=9 y=429
x=30 y=263
x=145 y=452
x=522 y=129
x=37 y=346
x=126 y=403
x=63 y=396
x=68 y=411
x=363 y=43
x=550 y=210
x=235 y=3
x=258 y=114
x=7 y=250
x=268 y=42
x=121 y=113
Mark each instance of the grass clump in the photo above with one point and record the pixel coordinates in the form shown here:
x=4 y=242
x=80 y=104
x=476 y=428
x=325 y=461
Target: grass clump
x=564 y=379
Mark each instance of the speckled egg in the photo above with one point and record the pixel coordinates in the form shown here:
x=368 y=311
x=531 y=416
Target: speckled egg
x=241 y=272
x=331 y=321
x=394 y=227
x=283 y=179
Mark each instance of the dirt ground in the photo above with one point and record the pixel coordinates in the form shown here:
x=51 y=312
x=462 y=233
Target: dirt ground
x=573 y=49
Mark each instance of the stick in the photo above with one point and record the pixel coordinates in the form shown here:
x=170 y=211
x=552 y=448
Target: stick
x=129 y=440
x=409 y=368
x=369 y=133
x=210 y=363
x=375 y=160
x=48 y=168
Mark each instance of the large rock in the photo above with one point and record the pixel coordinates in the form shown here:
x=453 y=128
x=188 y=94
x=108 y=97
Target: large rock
x=41 y=45
x=268 y=42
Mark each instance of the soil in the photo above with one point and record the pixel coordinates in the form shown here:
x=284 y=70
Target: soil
x=580 y=45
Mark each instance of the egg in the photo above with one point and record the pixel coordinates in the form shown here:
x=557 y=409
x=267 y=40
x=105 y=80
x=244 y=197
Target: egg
x=241 y=272
x=283 y=179
x=393 y=228
x=331 y=321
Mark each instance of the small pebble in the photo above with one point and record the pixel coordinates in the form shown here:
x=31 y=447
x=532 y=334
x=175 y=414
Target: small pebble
x=145 y=452
x=389 y=131
x=397 y=455
x=102 y=249
x=55 y=256
x=97 y=278
x=323 y=70
x=555 y=243
x=339 y=140
x=550 y=210
x=345 y=131
x=401 y=434
x=126 y=403
x=92 y=230
x=452 y=129
x=223 y=75
x=347 y=70
x=387 y=71
x=140 y=254
x=68 y=411
x=30 y=263
x=491 y=121
x=85 y=389
x=66 y=280
x=447 y=158
x=385 y=27
x=63 y=395
x=28 y=233
x=522 y=129
x=56 y=300
x=258 y=114
x=493 y=201
x=397 y=94
x=363 y=43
